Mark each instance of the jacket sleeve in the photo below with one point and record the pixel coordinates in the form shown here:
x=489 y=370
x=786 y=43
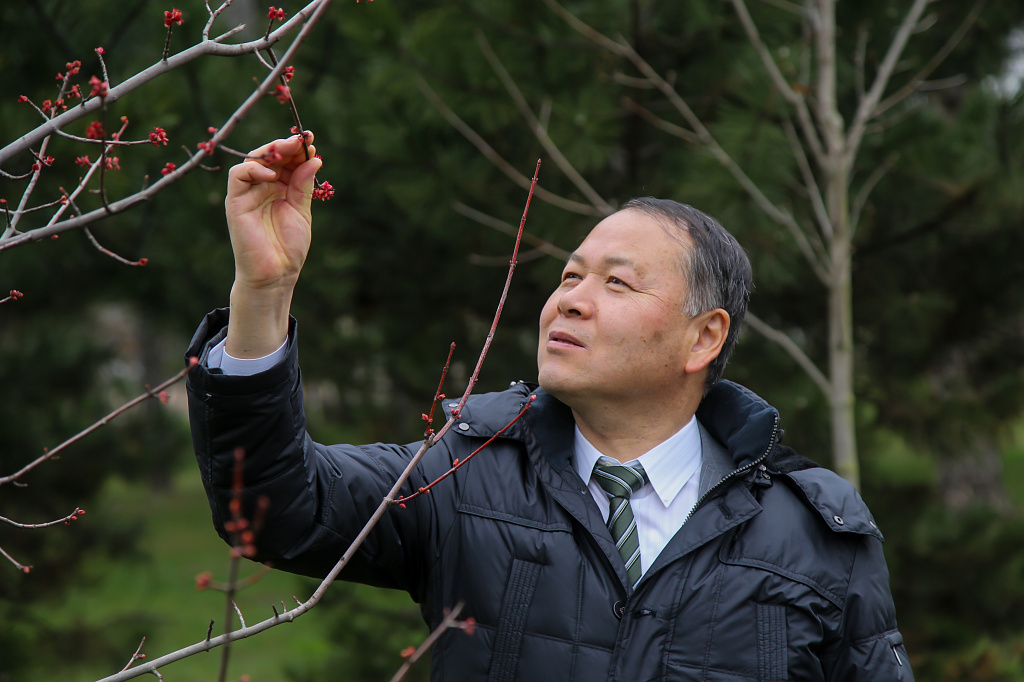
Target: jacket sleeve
x=871 y=647
x=304 y=501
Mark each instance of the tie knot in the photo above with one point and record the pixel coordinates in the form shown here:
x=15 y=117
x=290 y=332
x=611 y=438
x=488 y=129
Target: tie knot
x=619 y=480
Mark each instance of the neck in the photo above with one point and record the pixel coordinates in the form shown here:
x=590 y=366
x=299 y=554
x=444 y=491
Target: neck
x=625 y=434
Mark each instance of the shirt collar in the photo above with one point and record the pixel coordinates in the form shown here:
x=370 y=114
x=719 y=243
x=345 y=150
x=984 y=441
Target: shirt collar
x=669 y=465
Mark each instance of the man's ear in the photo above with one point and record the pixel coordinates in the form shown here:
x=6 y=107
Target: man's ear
x=711 y=329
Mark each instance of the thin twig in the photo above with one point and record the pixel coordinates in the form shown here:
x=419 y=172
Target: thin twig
x=150 y=393
x=861 y=199
x=538 y=130
x=919 y=78
x=73 y=516
x=868 y=106
x=794 y=98
x=660 y=123
x=136 y=656
x=20 y=566
x=495 y=158
x=507 y=228
x=449 y=621
x=795 y=352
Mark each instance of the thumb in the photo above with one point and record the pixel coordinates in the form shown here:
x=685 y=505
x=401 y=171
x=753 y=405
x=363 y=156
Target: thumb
x=300 y=189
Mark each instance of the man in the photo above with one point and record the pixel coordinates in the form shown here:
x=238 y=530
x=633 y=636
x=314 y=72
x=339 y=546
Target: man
x=640 y=522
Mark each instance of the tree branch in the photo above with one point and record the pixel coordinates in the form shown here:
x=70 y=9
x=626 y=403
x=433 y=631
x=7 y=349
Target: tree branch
x=795 y=99
x=538 y=130
x=499 y=162
x=621 y=47
x=307 y=17
x=920 y=77
x=791 y=347
x=869 y=104
x=872 y=180
x=150 y=393
x=501 y=226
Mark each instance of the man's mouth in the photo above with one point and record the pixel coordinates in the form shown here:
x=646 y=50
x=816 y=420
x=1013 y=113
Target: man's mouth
x=563 y=339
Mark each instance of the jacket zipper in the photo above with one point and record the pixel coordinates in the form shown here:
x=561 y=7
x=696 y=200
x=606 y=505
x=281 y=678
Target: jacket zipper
x=738 y=472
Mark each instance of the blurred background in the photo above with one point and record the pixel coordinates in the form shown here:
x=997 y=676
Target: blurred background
x=399 y=270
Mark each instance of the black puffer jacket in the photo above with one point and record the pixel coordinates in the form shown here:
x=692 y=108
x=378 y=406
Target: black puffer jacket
x=778 y=574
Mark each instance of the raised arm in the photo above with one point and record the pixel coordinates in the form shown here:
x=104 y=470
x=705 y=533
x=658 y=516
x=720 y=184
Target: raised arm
x=268 y=215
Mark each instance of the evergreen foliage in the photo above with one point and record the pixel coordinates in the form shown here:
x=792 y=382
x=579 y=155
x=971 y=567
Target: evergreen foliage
x=396 y=273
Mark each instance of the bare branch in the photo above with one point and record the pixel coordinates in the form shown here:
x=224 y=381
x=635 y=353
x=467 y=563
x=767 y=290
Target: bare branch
x=794 y=98
x=818 y=265
x=538 y=130
x=791 y=347
x=107 y=252
x=918 y=80
x=499 y=162
x=810 y=183
x=449 y=621
x=73 y=516
x=790 y=7
x=660 y=123
x=20 y=566
x=308 y=17
x=869 y=104
x=500 y=225
x=136 y=656
x=150 y=393
x=859 y=201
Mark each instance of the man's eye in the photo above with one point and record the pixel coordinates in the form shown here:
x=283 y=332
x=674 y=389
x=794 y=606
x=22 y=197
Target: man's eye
x=617 y=281
x=569 y=275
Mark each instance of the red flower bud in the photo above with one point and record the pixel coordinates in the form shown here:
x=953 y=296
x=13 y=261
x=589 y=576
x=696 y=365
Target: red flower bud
x=158 y=137
x=173 y=17
x=95 y=131
x=167 y=169
x=324 y=192
x=99 y=88
x=408 y=651
x=203 y=580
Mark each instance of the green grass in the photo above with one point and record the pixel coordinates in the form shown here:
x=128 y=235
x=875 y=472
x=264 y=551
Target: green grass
x=155 y=594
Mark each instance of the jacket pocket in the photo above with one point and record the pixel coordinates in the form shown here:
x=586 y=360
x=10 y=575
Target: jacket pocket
x=771 y=643
x=515 y=606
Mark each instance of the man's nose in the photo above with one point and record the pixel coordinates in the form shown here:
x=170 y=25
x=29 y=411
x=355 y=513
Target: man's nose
x=579 y=300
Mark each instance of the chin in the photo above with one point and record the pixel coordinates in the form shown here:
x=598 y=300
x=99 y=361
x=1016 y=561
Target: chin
x=559 y=386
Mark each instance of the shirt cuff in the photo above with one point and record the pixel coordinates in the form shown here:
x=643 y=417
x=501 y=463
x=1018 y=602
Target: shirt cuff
x=218 y=358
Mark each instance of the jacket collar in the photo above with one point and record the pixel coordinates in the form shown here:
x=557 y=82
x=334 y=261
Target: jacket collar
x=737 y=426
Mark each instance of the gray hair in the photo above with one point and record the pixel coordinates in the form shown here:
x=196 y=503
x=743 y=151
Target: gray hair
x=716 y=269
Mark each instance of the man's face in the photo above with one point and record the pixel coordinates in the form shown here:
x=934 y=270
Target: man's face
x=615 y=327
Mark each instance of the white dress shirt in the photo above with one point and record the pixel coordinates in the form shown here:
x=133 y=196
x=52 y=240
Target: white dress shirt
x=242 y=367
x=661 y=507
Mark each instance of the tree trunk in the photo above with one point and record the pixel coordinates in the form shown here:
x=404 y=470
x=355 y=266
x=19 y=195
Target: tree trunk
x=836 y=171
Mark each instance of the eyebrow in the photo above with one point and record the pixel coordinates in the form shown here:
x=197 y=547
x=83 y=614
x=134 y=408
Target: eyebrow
x=607 y=261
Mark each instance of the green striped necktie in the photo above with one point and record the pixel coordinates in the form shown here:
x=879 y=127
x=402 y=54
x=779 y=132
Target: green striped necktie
x=620 y=482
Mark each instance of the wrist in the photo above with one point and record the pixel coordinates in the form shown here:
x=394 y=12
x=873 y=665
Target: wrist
x=259 y=320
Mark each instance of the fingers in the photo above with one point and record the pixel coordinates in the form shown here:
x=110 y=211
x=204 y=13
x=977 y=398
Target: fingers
x=274 y=161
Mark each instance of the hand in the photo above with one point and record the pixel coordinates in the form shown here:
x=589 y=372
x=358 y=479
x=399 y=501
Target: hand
x=268 y=213
x=269 y=221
